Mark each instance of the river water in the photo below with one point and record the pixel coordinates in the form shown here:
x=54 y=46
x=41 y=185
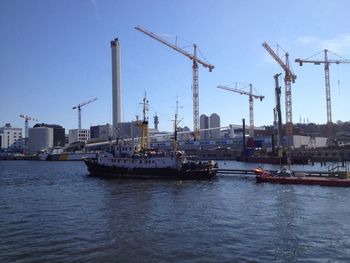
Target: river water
x=55 y=212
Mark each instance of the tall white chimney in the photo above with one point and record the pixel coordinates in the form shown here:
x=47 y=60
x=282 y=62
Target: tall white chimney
x=116 y=82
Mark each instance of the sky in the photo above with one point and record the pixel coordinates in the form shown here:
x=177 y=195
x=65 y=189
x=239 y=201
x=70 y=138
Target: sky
x=56 y=54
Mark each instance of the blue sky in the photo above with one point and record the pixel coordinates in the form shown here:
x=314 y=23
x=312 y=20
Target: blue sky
x=56 y=54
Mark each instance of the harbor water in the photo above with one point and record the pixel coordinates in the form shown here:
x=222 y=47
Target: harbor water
x=55 y=212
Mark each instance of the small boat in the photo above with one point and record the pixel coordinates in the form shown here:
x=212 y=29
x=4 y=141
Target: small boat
x=286 y=176
x=137 y=160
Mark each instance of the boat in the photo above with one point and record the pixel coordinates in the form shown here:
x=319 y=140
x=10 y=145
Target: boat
x=286 y=176
x=128 y=159
x=59 y=154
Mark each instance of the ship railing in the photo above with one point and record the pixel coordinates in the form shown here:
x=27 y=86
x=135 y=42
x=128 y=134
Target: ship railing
x=339 y=169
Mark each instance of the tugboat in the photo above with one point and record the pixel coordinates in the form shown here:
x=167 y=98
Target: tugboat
x=129 y=160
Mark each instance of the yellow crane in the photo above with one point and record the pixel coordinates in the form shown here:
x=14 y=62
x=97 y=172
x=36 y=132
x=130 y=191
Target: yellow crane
x=195 y=85
x=79 y=110
x=26 y=125
x=289 y=78
x=251 y=103
x=326 y=63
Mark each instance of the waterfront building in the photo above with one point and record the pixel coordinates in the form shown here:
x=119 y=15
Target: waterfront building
x=11 y=138
x=40 y=138
x=78 y=135
x=126 y=130
x=103 y=132
x=58 y=133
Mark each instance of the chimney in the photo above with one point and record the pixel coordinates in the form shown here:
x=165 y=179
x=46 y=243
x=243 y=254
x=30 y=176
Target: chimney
x=116 y=82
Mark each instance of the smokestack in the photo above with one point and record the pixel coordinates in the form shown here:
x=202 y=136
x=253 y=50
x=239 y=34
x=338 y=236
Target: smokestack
x=116 y=82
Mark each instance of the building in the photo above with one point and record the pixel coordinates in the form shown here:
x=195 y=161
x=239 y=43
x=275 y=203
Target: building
x=78 y=135
x=11 y=138
x=58 y=133
x=214 y=122
x=209 y=124
x=204 y=126
x=184 y=134
x=103 y=132
x=126 y=130
x=40 y=138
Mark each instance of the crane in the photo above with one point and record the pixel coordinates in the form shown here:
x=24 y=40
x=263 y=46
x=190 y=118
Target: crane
x=26 y=120
x=289 y=78
x=251 y=105
x=79 y=110
x=326 y=63
x=195 y=85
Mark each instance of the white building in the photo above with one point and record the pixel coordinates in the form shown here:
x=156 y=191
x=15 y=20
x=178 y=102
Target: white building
x=11 y=138
x=40 y=138
x=81 y=135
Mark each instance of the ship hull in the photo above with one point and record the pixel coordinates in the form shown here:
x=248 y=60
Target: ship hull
x=303 y=180
x=99 y=170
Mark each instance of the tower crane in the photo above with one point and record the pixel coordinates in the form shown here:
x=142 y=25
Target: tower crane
x=289 y=78
x=26 y=120
x=195 y=85
x=251 y=104
x=79 y=110
x=326 y=63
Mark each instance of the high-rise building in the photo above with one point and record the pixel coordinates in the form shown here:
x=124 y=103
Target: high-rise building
x=204 y=125
x=214 y=122
x=11 y=138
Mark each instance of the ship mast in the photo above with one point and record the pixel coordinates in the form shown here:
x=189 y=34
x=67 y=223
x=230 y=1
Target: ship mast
x=143 y=124
x=176 y=122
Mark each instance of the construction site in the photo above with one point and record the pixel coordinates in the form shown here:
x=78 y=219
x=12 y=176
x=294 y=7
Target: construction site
x=281 y=141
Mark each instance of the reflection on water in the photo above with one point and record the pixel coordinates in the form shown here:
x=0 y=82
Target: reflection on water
x=54 y=212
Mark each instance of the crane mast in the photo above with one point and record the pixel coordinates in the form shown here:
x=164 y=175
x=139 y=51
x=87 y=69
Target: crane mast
x=195 y=85
x=79 y=106
x=289 y=78
x=251 y=103
x=326 y=63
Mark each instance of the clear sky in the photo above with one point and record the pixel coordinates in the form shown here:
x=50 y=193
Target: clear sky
x=56 y=54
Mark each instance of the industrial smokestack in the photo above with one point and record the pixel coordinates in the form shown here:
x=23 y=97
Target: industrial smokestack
x=116 y=82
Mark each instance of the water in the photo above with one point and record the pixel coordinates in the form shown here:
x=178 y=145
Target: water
x=54 y=212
